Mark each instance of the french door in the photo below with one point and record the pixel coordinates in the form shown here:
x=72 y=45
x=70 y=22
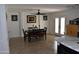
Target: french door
x=60 y=25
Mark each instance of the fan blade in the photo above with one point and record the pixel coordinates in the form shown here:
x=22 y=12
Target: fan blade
x=38 y=13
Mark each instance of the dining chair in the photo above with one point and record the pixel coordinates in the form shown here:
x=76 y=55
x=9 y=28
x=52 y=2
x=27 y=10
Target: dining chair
x=25 y=34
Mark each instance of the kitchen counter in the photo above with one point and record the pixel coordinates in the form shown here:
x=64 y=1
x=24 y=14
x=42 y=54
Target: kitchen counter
x=70 y=42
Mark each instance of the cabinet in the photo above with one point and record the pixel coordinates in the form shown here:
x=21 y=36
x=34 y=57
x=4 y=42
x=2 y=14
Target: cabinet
x=65 y=50
x=72 y=30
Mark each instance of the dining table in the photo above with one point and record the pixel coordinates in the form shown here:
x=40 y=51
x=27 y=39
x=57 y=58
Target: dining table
x=37 y=33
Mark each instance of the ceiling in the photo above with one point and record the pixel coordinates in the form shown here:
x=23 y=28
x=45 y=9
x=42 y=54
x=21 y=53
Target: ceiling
x=44 y=8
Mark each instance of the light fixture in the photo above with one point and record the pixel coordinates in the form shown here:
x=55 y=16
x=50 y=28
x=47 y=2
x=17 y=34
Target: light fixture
x=38 y=13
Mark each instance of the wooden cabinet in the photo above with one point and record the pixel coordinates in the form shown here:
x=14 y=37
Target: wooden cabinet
x=72 y=30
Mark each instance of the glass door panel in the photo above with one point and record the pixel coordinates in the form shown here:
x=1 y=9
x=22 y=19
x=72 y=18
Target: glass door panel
x=56 y=25
x=62 y=25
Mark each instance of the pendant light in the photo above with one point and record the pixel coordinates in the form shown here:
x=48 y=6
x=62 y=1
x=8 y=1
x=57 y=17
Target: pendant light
x=38 y=13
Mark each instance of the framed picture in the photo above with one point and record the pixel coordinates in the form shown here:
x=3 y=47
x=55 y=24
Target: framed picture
x=44 y=17
x=14 y=17
x=31 y=19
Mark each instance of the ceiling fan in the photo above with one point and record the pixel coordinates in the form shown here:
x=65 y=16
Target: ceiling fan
x=38 y=13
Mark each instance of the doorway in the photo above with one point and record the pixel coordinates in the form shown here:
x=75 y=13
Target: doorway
x=60 y=26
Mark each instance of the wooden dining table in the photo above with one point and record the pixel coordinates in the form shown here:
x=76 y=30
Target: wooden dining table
x=36 y=33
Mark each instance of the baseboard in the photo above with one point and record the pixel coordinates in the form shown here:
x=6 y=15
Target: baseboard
x=22 y=36
x=50 y=34
x=4 y=52
x=14 y=37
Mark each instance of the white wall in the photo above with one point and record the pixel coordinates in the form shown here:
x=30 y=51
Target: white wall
x=4 y=42
x=24 y=20
x=25 y=25
x=16 y=27
x=13 y=26
x=43 y=23
x=50 y=23
x=69 y=15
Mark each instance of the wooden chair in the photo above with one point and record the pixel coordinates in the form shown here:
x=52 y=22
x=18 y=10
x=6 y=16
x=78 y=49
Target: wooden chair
x=45 y=28
x=43 y=33
x=25 y=34
x=32 y=34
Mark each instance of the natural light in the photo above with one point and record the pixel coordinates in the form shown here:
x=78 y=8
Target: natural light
x=62 y=25
x=56 y=25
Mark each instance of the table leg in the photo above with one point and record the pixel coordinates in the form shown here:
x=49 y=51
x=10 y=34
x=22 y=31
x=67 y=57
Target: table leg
x=45 y=35
x=29 y=38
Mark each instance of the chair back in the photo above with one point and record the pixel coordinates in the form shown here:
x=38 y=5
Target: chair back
x=23 y=31
x=45 y=28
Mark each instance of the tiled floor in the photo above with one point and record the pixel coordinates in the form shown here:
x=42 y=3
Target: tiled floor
x=18 y=46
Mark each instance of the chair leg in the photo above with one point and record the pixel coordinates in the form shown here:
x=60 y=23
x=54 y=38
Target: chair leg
x=29 y=39
x=24 y=39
